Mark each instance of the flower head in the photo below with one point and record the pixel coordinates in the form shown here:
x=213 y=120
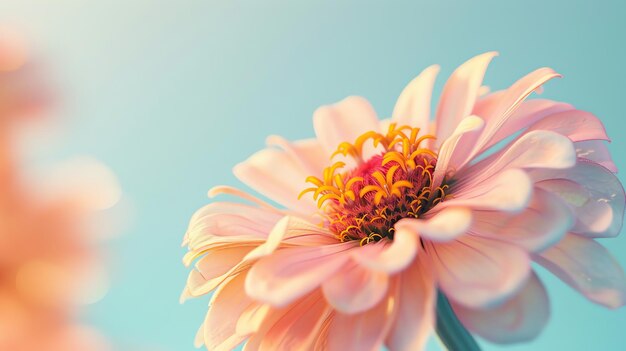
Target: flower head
x=380 y=215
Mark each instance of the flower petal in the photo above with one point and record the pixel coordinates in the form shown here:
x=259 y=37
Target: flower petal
x=528 y=112
x=596 y=152
x=415 y=318
x=228 y=222
x=460 y=93
x=508 y=191
x=253 y=318
x=298 y=326
x=309 y=153
x=499 y=114
x=413 y=105
x=287 y=274
x=479 y=272
x=536 y=149
x=355 y=289
x=213 y=268
x=454 y=151
x=199 y=339
x=388 y=257
x=226 y=306
x=294 y=231
x=519 y=319
x=593 y=192
x=577 y=125
x=540 y=225
x=275 y=174
x=443 y=226
x=587 y=267
x=343 y=121
x=363 y=331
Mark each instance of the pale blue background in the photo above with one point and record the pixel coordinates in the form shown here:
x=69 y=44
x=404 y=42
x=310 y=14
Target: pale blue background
x=172 y=94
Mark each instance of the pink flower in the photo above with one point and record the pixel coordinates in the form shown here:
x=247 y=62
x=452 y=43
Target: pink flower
x=408 y=207
x=46 y=255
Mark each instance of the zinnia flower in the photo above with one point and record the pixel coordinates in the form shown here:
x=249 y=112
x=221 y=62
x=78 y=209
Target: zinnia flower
x=394 y=228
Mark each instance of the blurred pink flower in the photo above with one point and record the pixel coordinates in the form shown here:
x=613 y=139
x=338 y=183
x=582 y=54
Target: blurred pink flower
x=409 y=207
x=46 y=255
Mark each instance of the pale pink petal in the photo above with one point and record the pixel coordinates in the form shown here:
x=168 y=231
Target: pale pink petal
x=536 y=149
x=413 y=106
x=254 y=318
x=294 y=231
x=587 y=267
x=445 y=225
x=298 y=326
x=508 y=191
x=231 y=190
x=226 y=220
x=198 y=341
x=577 y=125
x=519 y=319
x=540 y=225
x=487 y=103
x=363 y=331
x=227 y=304
x=498 y=114
x=594 y=193
x=291 y=272
x=344 y=121
x=526 y=114
x=210 y=269
x=595 y=151
x=275 y=174
x=415 y=317
x=484 y=90
x=355 y=289
x=257 y=320
x=479 y=272
x=309 y=153
x=460 y=93
x=455 y=149
x=388 y=257
x=593 y=218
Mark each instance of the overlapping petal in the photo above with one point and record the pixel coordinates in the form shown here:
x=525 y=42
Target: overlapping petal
x=479 y=272
x=290 y=273
x=519 y=319
x=389 y=257
x=443 y=226
x=594 y=194
x=363 y=331
x=460 y=93
x=297 y=327
x=344 y=121
x=540 y=225
x=355 y=288
x=415 y=317
x=227 y=305
x=277 y=175
x=587 y=267
x=413 y=105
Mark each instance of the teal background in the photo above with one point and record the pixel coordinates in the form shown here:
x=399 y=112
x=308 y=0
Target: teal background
x=171 y=94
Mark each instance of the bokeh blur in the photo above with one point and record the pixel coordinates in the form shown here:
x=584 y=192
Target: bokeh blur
x=50 y=266
x=171 y=94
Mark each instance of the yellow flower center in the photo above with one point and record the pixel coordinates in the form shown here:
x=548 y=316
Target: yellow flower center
x=363 y=203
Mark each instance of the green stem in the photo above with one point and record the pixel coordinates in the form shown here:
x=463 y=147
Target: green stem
x=450 y=330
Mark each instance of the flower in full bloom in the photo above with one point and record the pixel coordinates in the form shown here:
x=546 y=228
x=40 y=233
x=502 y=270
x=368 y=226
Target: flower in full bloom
x=46 y=255
x=379 y=219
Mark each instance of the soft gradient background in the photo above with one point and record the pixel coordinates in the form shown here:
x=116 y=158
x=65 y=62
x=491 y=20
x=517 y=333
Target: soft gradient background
x=171 y=94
